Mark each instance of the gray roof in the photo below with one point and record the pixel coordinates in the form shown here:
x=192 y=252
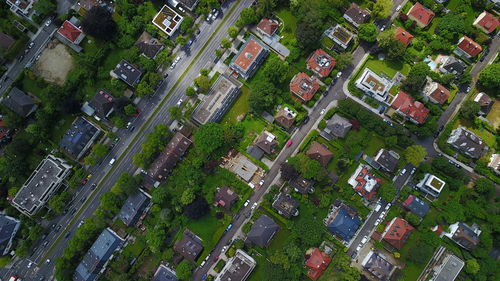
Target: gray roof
x=378 y=265
x=189 y=4
x=302 y=185
x=387 y=159
x=285 y=205
x=416 y=206
x=164 y=273
x=148 y=45
x=262 y=231
x=243 y=167
x=127 y=72
x=190 y=247
x=467 y=142
x=79 y=137
x=337 y=126
x=255 y=152
x=6 y=41
x=357 y=14
x=450 y=268
x=238 y=268
x=102 y=249
x=19 y=102
x=454 y=65
x=103 y=104
x=133 y=208
x=8 y=229
x=466 y=236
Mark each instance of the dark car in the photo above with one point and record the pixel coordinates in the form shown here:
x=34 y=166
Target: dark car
x=306 y=119
x=325 y=93
x=58 y=227
x=132 y=128
x=73 y=211
x=93 y=186
x=67 y=234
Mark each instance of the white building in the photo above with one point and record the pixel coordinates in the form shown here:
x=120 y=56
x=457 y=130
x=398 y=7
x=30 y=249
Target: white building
x=431 y=184
x=374 y=85
x=167 y=20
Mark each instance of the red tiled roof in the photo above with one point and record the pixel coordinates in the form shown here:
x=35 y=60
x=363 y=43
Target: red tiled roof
x=440 y=94
x=320 y=153
x=403 y=36
x=304 y=86
x=421 y=14
x=397 y=232
x=321 y=63
x=268 y=26
x=69 y=31
x=469 y=46
x=317 y=263
x=248 y=54
x=409 y=107
x=488 y=21
x=362 y=179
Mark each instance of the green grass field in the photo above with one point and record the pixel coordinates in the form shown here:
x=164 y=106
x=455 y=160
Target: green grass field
x=239 y=107
x=389 y=68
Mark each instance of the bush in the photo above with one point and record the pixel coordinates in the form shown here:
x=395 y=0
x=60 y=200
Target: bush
x=246 y=228
x=322 y=124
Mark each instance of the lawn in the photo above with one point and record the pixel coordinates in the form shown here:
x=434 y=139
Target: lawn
x=469 y=11
x=453 y=92
x=388 y=67
x=259 y=271
x=494 y=115
x=289 y=25
x=209 y=229
x=253 y=126
x=239 y=107
x=30 y=86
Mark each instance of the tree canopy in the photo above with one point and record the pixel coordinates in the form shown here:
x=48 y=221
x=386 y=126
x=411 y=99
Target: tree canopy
x=382 y=9
x=469 y=109
x=415 y=154
x=368 y=32
x=98 y=22
x=490 y=76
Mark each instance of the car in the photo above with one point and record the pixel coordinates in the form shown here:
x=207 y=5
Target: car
x=84 y=181
x=358 y=248
x=413 y=171
x=131 y=129
x=223 y=249
x=30 y=264
x=181 y=9
x=387 y=206
x=177 y=59
x=45 y=243
x=306 y=119
x=382 y=215
x=214 y=15
x=322 y=111
x=339 y=74
x=209 y=17
x=377 y=208
x=378 y=221
x=441 y=128
x=382 y=28
x=402 y=172
x=79 y=224
x=48 y=23
x=197 y=32
x=165 y=76
x=179 y=102
x=254 y=206
x=172 y=66
x=112 y=161
x=31 y=44
x=246 y=203
x=21 y=58
x=43 y=237
x=204 y=276
x=41 y=278
x=58 y=227
x=13 y=278
x=189 y=43
x=289 y=143
x=398 y=8
x=67 y=234
x=83 y=199
x=216 y=258
x=229 y=227
x=325 y=93
x=73 y=211
x=202 y=264
x=128 y=125
x=137 y=113
x=93 y=186
x=48 y=261
x=261 y=182
x=364 y=239
x=248 y=215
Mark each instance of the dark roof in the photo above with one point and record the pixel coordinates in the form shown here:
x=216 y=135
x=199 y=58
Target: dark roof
x=103 y=104
x=467 y=142
x=225 y=197
x=320 y=153
x=148 y=45
x=169 y=157
x=102 y=249
x=416 y=206
x=378 y=265
x=337 y=126
x=285 y=118
x=164 y=273
x=190 y=247
x=465 y=236
x=19 y=102
x=6 y=41
x=454 y=65
x=255 y=152
x=357 y=14
x=262 y=231
x=345 y=224
x=302 y=185
x=127 y=72
x=387 y=159
x=133 y=208
x=485 y=102
x=88 y=4
x=267 y=142
x=188 y=4
x=8 y=229
x=79 y=137
x=285 y=205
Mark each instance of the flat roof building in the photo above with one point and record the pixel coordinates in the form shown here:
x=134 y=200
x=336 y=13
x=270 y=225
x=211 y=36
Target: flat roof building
x=340 y=36
x=41 y=185
x=218 y=100
x=242 y=167
x=374 y=85
x=250 y=56
x=238 y=268
x=79 y=137
x=167 y=20
x=443 y=266
x=431 y=185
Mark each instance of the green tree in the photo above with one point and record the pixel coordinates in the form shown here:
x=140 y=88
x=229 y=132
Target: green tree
x=45 y=7
x=490 y=76
x=344 y=60
x=387 y=192
x=395 y=50
x=484 y=187
x=416 y=78
x=233 y=31
x=203 y=83
x=415 y=154
x=280 y=258
x=247 y=16
x=385 y=37
x=98 y=152
x=181 y=40
x=187 y=196
x=225 y=43
x=130 y=110
x=186 y=23
x=309 y=31
x=391 y=141
x=469 y=110
x=208 y=138
x=262 y=96
x=175 y=112
x=98 y=22
x=184 y=270
x=472 y=266
x=275 y=70
x=155 y=237
x=368 y=32
x=451 y=26
x=59 y=202
x=382 y=9
x=265 y=8
x=190 y=91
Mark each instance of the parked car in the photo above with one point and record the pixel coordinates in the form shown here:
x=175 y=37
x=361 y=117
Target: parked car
x=45 y=243
x=254 y=206
x=246 y=203
x=322 y=111
x=387 y=206
x=377 y=208
x=179 y=102
x=31 y=44
x=358 y=248
x=364 y=240
x=30 y=264
x=339 y=74
x=93 y=186
x=306 y=119
x=402 y=172
x=48 y=23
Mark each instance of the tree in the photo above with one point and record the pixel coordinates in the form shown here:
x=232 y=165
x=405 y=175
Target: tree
x=451 y=26
x=148 y=83
x=416 y=78
x=385 y=37
x=184 y=270
x=280 y=258
x=395 y=50
x=130 y=110
x=98 y=152
x=190 y=91
x=490 y=76
x=344 y=60
x=181 y=40
x=391 y=141
x=155 y=237
x=59 y=202
x=387 y=192
x=98 y=23
x=275 y=70
x=186 y=23
x=187 y=196
x=225 y=43
x=484 y=187
x=307 y=232
x=175 y=112
x=126 y=183
x=247 y=16
x=196 y=209
x=368 y=32
x=472 y=266
x=233 y=31
x=262 y=97
x=203 y=83
x=469 y=110
x=415 y=154
x=382 y=9
x=288 y=172
x=479 y=4
x=308 y=32
x=209 y=138
x=45 y=7
x=265 y=8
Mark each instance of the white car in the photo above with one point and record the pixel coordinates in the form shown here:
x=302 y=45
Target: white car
x=322 y=111
x=387 y=206
x=215 y=14
x=377 y=207
x=363 y=241
x=378 y=221
x=181 y=9
x=179 y=102
x=223 y=249
x=254 y=206
x=30 y=264
x=358 y=248
x=261 y=183
x=382 y=215
x=339 y=74
x=246 y=203
x=48 y=23
x=398 y=8
x=177 y=59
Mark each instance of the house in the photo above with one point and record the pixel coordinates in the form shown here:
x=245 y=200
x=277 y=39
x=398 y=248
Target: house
x=420 y=14
x=467 y=142
x=317 y=262
x=285 y=117
x=21 y=7
x=436 y=92
x=8 y=230
x=378 y=265
x=452 y=65
x=164 y=273
x=431 y=185
x=88 y=4
x=103 y=104
x=486 y=22
x=241 y=166
x=267 y=142
x=98 y=256
x=416 y=205
x=169 y=157
x=249 y=57
x=188 y=4
x=71 y=32
x=467 y=48
x=285 y=205
x=6 y=41
x=464 y=235
x=321 y=63
x=303 y=86
x=356 y=15
x=397 y=232
x=320 y=153
x=262 y=231
x=444 y=266
x=41 y=185
x=255 y=152
x=302 y=185
x=127 y=73
x=485 y=102
x=79 y=137
x=403 y=36
x=413 y=110
x=374 y=85
x=237 y=268
x=167 y=20
x=267 y=27
x=340 y=36
x=190 y=246
x=387 y=159
x=148 y=45
x=336 y=127
x=219 y=99
x=495 y=163
x=134 y=207
x=365 y=182
x=20 y=103
x=225 y=197
x=342 y=221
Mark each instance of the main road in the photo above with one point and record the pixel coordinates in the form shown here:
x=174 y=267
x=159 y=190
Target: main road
x=154 y=112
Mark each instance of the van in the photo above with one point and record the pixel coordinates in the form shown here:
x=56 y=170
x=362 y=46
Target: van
x=112 y=162
x=377 y=208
